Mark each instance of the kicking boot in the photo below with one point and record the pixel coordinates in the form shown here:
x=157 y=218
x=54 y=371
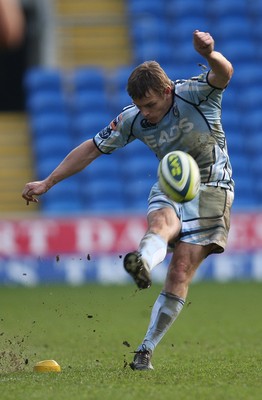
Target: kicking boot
x=138 y=269
x=142 y=361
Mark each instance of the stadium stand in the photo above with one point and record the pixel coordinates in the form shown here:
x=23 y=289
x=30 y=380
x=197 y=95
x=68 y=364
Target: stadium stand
x=16 y=163
x=92 y=33
x=89 y=97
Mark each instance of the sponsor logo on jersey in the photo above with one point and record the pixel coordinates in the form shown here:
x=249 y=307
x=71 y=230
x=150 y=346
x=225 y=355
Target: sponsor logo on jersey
x=184 y=126
x=106 y=132
x=113 y=124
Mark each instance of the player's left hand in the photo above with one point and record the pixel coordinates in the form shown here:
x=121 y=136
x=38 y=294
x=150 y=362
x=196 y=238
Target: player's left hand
x=203 y=43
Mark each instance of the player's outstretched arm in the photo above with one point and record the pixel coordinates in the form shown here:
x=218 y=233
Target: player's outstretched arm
x=75 y=161
x=221 y=68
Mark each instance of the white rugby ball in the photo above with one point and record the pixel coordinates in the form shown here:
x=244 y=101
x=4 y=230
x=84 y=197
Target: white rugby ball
x=179 y=176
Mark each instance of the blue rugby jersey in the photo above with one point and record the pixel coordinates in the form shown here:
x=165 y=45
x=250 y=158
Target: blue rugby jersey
x=192 y=124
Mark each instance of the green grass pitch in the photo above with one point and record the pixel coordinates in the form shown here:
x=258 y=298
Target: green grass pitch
x=213 y=351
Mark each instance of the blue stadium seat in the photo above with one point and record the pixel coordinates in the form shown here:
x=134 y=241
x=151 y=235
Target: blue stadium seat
x=137 y=191
x=251 y=98
x=240 y=165
x=69 y=187
x=120 y=100
x=255 y=166
x=231 y=120
x=119 y=97
x=239 y=50
x=38 y=78
x=184 y=54
x=253 y=143
x=149 y=28
x=221 y=8
x=103 y=186
x=253 y=121
x=46 y=101
x=256 y=33
x=243 y=177
x=44 y=166
x=106 y=166
x=56 y=124
x=257 y=189
x=231 y=27
x=89 y=78
x=177 y=9
x=140 y=167
x=90 y=100
x=153 y=50
x=145 y=7
x=246 y=74
x=103 y=190
x=119 y=77
x=181 y=30
x=138 y=205
x=230 y=98
x=255 y=9
x=65 y=197
x=235 y=142
x=244 y=194
x=50 y=145
x=87 y=125
x=62 y=207
x=108 y=206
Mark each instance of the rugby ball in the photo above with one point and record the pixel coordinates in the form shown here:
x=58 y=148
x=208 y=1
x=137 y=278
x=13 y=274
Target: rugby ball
x=179 y=176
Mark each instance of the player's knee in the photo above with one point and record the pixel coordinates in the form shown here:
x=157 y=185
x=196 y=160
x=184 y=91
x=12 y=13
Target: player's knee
x=164 y=222
x=180 y=273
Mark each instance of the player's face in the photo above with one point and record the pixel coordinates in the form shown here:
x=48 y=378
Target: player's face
x=154 y=106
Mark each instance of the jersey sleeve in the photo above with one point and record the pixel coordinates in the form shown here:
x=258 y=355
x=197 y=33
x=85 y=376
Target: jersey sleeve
x=117 y=134
x=197 y=90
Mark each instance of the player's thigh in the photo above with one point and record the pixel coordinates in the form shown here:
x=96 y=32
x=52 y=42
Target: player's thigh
x=189 y=255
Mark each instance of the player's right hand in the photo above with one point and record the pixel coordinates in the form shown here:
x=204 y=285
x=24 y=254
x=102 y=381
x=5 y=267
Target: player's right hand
x=33 y=189
x=203 y=42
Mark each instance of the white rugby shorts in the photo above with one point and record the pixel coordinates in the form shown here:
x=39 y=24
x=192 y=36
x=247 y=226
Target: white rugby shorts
x=205 y=219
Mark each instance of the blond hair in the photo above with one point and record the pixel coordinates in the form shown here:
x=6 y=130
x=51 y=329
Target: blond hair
x=148 y=76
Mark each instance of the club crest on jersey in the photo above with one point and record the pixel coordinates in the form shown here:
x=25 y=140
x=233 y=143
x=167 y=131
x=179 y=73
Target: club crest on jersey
x=176 y=111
